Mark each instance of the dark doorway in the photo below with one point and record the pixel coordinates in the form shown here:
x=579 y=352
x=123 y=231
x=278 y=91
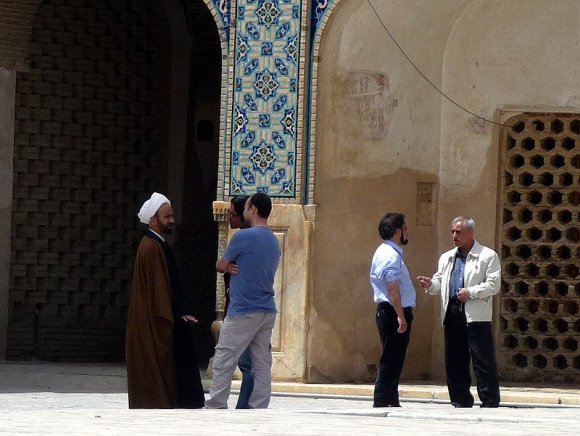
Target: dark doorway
x=90 y=145
x=196 y=242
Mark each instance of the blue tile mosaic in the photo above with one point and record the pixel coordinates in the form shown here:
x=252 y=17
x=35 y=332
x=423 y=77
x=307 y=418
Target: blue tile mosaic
x=223 y=8
x=319 y=8
x=265 y=98
x=264 y=120
x=267 y=49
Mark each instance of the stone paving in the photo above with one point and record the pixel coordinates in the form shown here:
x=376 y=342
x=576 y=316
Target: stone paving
x=63 y=399
x=107 y=414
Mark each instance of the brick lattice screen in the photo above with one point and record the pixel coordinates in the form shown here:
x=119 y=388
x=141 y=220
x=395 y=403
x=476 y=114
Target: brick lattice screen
x=539 y=325
x=90 y=119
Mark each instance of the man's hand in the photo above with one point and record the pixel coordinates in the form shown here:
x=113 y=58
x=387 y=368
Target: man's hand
x=221 y=266
x=188 y=319
x=424 y=281
x=463 y=295
x=232 y=269
x=402 y=325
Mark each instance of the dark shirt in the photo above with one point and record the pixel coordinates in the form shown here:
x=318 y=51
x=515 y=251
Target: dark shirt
x=456 y=281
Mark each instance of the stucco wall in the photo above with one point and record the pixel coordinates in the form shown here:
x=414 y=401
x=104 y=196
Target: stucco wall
x=489 y=56
x=512 y=56
x=364 y=170
x=501 y=55
x=501 y=58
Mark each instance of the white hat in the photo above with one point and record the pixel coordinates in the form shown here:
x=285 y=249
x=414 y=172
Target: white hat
x=151 y=206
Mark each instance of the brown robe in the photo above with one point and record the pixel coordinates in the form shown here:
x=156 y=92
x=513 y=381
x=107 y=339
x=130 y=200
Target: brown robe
x=151 y=374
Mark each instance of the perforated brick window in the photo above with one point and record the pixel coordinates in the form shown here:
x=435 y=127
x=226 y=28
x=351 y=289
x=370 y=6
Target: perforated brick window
x=540 y=297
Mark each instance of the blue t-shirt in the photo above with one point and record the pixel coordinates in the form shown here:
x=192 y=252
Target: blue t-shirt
x=256 y=251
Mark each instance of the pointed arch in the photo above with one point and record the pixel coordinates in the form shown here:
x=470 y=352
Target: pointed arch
x=326 y=10
x=221 y=10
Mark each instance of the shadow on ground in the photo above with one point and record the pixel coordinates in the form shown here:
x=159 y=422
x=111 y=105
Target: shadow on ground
x=21 y=377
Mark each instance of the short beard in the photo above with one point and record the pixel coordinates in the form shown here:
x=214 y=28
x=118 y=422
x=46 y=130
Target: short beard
x=166 y=230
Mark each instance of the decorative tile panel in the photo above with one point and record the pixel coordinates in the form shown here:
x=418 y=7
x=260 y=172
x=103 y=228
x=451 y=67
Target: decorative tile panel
x=320 y=11
x=223 y=9
x=319 y=8
x=266 y=97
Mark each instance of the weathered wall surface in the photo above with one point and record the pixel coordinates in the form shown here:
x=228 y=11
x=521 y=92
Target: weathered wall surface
x=505 y=58
x=379 y=134
x=382 y=130
x=501 y=55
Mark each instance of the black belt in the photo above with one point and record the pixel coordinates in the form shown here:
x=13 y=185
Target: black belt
x=383 y=304
x=386 y=305
x=455 y=302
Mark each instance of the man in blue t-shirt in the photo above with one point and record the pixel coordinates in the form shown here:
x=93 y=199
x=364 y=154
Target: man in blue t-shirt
x=251 y=258
x=236 y=221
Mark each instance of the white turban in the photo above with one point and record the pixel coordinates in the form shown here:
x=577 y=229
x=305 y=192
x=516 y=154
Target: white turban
x=151 y=206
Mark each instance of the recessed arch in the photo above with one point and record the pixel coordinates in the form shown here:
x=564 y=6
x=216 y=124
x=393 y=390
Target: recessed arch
x=310 y=151
x=221 y=13
x=92 y=141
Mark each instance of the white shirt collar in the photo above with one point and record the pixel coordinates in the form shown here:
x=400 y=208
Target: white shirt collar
x=158 y=235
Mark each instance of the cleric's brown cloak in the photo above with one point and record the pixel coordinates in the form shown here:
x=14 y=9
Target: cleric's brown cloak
x=151 y=375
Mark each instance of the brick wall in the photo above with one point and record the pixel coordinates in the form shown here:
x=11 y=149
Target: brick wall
x=90 y=141
x=15 y=21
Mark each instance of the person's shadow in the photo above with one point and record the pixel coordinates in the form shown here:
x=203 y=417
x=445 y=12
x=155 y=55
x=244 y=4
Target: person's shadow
x=60 y=377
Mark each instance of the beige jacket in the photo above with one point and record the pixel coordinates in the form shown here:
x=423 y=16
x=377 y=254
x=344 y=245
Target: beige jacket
x=482 y=278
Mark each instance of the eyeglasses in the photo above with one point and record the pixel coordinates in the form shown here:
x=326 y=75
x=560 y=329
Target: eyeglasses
x=231 y=214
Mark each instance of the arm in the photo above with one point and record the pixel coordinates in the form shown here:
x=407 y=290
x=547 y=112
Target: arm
x=228 y=262
x=395 y=293
x=432 y=285
x=492 y=281
x=221 y=266
x=435 y=286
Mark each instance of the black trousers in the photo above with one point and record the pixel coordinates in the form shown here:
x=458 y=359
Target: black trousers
x=465 y=342
x=394 y=349
x=189 y=388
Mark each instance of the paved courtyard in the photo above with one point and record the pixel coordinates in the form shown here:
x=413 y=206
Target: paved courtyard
x=61 y=399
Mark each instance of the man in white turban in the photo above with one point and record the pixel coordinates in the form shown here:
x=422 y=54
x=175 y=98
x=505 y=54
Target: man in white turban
x=162 y=370
x=151 y=206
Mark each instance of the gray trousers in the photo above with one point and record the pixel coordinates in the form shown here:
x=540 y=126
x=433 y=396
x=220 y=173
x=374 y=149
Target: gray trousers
x=253 y=331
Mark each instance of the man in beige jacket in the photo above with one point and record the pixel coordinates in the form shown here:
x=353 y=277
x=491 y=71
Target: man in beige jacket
x=467 y=278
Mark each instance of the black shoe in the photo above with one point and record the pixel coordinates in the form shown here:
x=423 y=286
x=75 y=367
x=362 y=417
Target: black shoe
x=387 y=405
x=459 y=405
